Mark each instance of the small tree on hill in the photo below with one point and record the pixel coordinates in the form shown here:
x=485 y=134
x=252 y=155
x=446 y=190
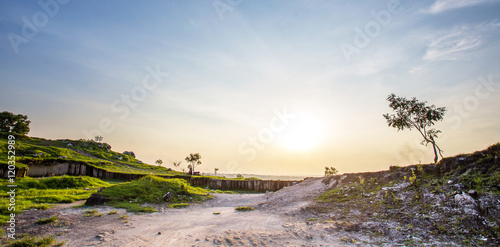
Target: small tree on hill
x=19 y=124
x=159 y=162
x=193 y=160
x=330 y=171
x=177 y=164
x=98 y=138
x=412 y=114
x=215 y=170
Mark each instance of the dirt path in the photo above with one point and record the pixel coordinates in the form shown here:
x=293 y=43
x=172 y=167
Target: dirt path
x=276 y=221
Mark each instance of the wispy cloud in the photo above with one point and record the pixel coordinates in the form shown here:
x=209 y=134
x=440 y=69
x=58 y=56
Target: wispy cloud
x=458 y=43
x=444 y=5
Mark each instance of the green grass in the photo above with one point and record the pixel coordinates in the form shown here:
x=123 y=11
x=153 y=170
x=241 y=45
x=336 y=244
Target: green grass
x=179 y=205
x=44 y=221
x=150 y=189
x=59 y=182
x=32 y=150
x=123 y=217
x=29 y=241
x=91 y=213
x=40 y=193
x=244 y=208
x=99 y=155
x=132 y=207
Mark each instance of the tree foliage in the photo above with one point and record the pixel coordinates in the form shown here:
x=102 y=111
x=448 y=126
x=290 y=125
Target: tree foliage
x=193 y=160
x=176 y=164
x=159 y=162
x=19 y=124
x=330 y=171
x=413 y=114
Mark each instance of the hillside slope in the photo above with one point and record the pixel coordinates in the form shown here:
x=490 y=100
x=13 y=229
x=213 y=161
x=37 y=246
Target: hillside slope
x=455 y=202
x=33 y=150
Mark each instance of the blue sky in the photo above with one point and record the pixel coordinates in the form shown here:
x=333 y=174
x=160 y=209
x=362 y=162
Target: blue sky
x=167 y=78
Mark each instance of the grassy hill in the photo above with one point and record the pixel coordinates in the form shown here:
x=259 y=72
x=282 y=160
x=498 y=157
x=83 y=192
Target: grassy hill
x=99 y=155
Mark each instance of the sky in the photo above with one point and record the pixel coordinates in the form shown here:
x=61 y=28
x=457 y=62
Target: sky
x=262 y=87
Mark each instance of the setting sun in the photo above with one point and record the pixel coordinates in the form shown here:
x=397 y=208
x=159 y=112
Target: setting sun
x=303 y=134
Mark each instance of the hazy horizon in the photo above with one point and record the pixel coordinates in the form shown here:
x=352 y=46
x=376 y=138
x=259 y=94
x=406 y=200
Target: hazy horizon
x=255 y=87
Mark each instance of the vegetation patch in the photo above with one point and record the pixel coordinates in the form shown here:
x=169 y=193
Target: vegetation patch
x=34 y=193
x=150 y=189
x=32 y=150
x=447 y=201
x=91 y=213
x=179 y=205
x=123 y=217
x=60 y=182
x=44 y=221
x=29 y=241
x=244 y=208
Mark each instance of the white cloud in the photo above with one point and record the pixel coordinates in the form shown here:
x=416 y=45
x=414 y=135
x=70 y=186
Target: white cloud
x=444 y=5
x=458 y=43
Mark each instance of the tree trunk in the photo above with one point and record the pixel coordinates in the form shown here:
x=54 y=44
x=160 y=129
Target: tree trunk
x=435 y=151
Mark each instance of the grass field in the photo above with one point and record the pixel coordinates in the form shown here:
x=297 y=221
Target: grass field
x=34 y=193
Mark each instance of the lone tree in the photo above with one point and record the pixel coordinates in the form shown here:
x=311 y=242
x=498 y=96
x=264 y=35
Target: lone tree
x=412 y=114
x=193 y=160
x=98 y=138
x=177 y=164
x=159 y=162
x=215 y=170
x=330 y=171
x=19 y=124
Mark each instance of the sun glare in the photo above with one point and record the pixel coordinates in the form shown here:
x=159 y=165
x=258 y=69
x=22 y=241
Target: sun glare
x=302 y=134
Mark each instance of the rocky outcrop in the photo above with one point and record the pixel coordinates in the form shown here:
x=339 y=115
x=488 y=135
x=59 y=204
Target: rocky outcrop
x=455 y=202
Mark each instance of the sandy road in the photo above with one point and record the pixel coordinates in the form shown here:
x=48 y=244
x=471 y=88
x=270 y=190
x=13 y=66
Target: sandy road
x=198 y=225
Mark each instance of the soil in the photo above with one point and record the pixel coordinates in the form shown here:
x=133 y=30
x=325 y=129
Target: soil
x=453 y=203
x=276 y=221
x=292 y=216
